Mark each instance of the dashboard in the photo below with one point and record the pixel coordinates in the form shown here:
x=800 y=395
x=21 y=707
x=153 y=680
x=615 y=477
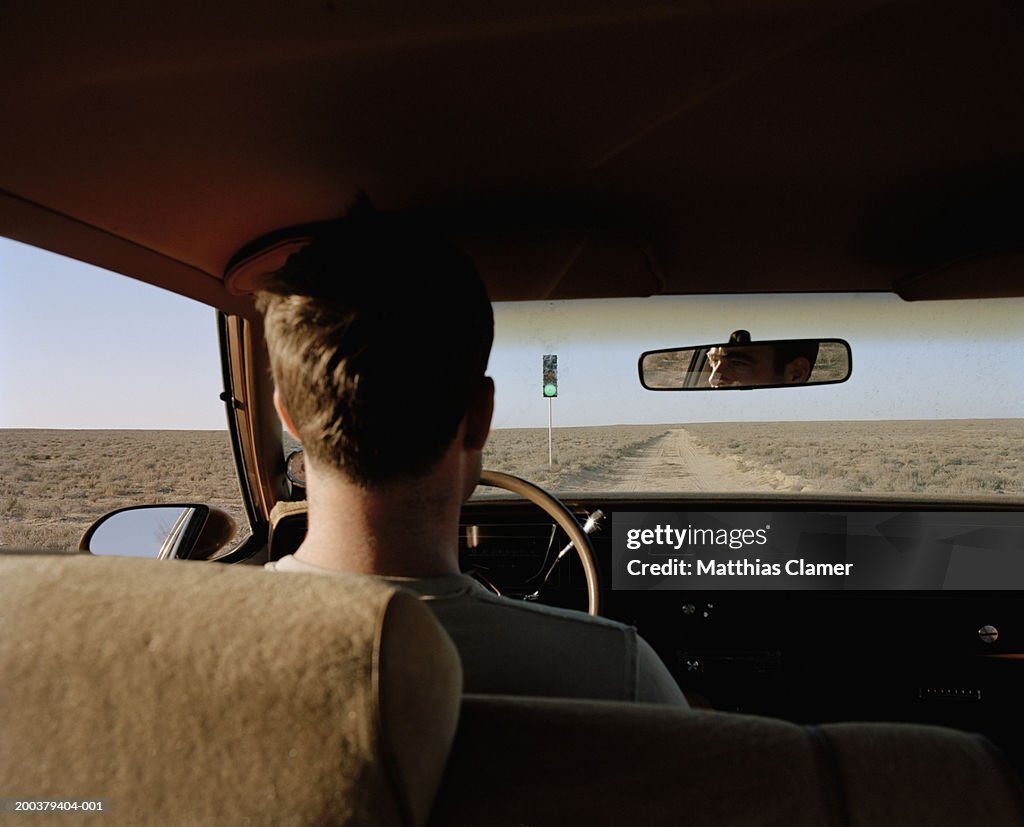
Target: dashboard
x=953 y=658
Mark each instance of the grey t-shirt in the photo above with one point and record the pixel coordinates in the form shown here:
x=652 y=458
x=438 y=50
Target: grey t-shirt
x=514 y=648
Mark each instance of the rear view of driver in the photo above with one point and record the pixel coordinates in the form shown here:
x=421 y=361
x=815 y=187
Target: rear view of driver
x=379 y=336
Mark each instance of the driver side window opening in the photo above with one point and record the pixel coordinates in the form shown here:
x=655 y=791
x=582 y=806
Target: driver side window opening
x=109 y=397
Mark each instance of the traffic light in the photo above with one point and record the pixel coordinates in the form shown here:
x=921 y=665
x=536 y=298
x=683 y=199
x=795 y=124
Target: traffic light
x=549 y=380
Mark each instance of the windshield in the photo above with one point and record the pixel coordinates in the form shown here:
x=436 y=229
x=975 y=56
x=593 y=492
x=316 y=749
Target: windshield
x=932 y=407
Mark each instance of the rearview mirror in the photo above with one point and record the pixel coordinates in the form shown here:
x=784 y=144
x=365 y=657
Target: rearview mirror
x=190 y=532
x=777 y=363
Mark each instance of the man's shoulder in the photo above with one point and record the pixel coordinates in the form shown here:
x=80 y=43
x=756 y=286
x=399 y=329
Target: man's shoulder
x=576 y=654
x=480 y=598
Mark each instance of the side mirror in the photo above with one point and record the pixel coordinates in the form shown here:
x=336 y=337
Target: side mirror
x=165 y=532
x=777 y=363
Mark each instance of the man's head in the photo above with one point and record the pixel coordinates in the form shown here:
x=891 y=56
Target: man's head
x=379 y=336
x=785 y=363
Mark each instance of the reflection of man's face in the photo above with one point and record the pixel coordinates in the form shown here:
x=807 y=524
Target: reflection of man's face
x=742 y=366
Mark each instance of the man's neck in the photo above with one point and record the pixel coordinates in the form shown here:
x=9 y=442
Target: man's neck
x=403 y=529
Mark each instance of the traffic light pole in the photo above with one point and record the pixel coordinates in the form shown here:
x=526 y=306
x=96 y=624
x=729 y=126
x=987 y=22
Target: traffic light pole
x=549 y=432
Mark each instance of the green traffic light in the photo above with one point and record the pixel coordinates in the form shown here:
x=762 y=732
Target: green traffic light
x=550 y=389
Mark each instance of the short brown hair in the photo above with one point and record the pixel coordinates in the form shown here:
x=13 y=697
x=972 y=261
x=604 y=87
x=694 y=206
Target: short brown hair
x=791 y=351
x=379 y=334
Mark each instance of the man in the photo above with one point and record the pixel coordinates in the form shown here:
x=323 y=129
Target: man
x=743 y=365
x=379 y=337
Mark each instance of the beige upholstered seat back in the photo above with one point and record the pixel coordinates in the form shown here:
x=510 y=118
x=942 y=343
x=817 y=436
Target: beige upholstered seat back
x=190 y=693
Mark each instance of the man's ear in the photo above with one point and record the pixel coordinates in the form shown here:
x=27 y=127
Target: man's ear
x=283 y=414
x=798 y=371
x=478 y=416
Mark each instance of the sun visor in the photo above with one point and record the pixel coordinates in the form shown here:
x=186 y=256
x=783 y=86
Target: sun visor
x=995 y=276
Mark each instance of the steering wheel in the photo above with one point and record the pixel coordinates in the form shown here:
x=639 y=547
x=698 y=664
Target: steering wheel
x=555 y=509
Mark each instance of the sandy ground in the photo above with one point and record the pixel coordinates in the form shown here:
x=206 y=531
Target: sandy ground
x=675 y=463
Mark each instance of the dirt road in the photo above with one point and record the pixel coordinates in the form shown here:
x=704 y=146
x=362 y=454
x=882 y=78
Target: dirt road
x=675 y=463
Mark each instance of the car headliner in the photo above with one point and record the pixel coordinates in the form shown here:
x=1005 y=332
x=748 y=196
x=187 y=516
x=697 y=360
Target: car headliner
x=577 y=149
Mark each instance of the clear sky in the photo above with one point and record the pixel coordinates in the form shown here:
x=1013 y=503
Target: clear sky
x=83 y=348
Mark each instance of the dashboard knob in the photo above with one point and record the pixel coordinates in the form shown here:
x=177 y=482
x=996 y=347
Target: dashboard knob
x=988 y=634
